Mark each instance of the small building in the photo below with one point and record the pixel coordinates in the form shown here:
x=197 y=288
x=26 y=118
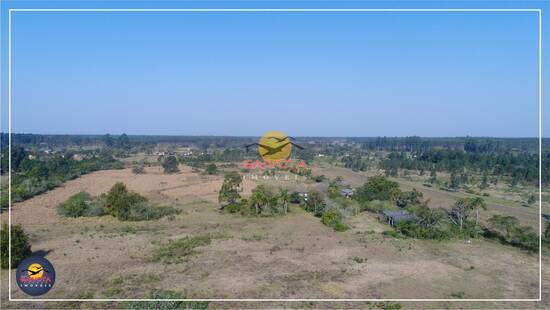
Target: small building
x=77 y=157
x=394 y=217
x=346 y=192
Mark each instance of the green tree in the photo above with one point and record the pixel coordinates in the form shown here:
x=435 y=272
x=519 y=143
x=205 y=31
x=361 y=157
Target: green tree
x=123 y=141
x=377 y=188
x=455 y=180
x=122 y=203
x=504 y=223
x=460 y=212
x=170 y=164
x=315 y=202
x=211 y=169
x=229 y=192
x=283 y=199
x=406 y=199
x=262 y=198
x=20 y=246
x=334 y=190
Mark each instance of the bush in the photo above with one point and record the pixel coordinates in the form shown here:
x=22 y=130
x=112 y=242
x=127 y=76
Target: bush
x=173 y=251
x=318 y=178
x=20 y=246
x=75 y=206
x=138 y=169
x=164 y=294
x=119 y=202
x=413 y=230
x=170 y=164
x=334 y=219
x=377 y=206
x=211 y=169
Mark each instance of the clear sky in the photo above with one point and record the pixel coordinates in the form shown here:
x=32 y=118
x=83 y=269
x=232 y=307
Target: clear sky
x=308 y=74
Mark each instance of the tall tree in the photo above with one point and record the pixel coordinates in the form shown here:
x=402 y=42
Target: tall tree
x=229 y=192
x=170 y=164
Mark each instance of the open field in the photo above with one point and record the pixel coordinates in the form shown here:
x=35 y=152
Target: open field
x=292 y=256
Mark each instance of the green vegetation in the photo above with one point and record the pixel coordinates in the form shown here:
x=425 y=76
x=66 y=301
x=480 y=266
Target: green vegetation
x=31 y=177
x=355 y=162
x=118 y=202
x=170 y=164
x=174 y=251
x=333 y=218
x=229 y=196
x=138 y=168
x=165 y=305
x=377 y=188
x=20 y=246
x=360 y=260
x=507 y=230
x=211 y=169
x=253 y=237
x=82 y=204
x=488 y=158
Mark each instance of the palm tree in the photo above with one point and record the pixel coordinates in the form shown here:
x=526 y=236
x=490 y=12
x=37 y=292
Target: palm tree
x=476 y=204
x=283 y=199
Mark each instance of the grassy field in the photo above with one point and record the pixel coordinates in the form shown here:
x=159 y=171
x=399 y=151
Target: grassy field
x=203 y=253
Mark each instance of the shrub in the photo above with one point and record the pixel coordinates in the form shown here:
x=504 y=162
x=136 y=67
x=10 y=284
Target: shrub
x=377 y=206
x=413 y=230
x=123 y=204
x=211 y=169
x=170 y=164
x=232 y=208
x=165 y=294
x=76 y=205
x=318 y=178
x=119 y=202
x=138 y=169
x=173 y=251
x=96 y=207
x=20 y=246
x=333 y=218
x=406 y=199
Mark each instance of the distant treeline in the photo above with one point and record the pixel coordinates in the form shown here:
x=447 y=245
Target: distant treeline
x=113 y=140
x=468 y=144
x=398 y=144
x=519 y=166
x=35 y=175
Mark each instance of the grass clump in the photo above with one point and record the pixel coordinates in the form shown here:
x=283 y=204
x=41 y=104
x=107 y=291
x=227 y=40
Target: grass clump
x=165 y=294
x=175 y=250
x=254 y=237
x=359 y=260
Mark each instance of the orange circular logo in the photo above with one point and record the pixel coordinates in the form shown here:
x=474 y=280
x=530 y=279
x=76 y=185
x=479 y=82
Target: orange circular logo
x=275 y=146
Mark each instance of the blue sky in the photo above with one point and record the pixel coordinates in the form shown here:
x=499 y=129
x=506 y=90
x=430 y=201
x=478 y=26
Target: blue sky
x=308 y=74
